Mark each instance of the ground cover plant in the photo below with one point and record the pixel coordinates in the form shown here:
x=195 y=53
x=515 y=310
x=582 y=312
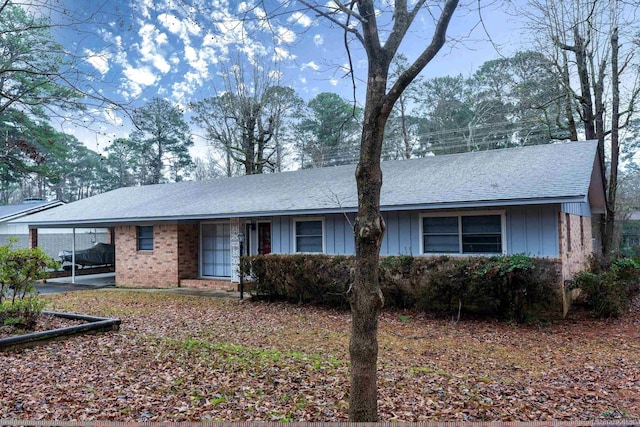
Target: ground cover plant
x=179 y=358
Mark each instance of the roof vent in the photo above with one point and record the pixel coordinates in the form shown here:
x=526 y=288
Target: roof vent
x=33 y=200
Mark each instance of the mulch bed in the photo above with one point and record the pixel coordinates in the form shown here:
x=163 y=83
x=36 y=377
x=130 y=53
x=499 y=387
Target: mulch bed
x=46 y=322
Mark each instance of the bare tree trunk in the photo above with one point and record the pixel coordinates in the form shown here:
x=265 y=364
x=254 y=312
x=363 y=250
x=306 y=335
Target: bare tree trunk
x=609 y=237
x=366 y=297
x=568 y=104
x=405 y=131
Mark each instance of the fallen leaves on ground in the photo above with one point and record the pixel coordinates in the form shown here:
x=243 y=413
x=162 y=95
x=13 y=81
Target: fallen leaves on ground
x=179 y=358
x=46 y=322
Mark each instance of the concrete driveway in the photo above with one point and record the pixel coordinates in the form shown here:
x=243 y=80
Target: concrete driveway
x=88 y=282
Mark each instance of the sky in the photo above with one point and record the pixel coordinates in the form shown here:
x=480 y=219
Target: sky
x=135 y=50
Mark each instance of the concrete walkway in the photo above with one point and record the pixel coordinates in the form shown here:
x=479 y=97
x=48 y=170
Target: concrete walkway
x=88 y=282
x=107 y=281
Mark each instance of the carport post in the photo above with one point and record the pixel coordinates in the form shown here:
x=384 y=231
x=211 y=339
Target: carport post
x=73 y=257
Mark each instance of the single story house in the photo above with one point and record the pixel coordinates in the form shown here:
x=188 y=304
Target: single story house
x=51 y=241
x=536 y=200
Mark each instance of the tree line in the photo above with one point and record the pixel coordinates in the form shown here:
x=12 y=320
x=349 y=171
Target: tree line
x=256 y=125
x=567 y=88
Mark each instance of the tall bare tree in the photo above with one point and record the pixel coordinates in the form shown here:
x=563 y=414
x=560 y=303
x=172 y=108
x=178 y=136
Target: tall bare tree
x=364 y=21
x=378 y=29
x=246 y=119
x=593 y=56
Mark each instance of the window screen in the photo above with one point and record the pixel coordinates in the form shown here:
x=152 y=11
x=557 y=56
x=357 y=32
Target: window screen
x=145 y=238
x=309 y=236
x=480 y=234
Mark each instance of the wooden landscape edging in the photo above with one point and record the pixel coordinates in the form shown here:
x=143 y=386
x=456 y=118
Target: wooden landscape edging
x=592 y=423
x=93 y=325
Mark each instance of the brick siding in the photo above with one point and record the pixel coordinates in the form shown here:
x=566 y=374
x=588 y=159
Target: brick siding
x=188 y=245
x=174 y=256
x=33 y=238
x=154 y=269
x=574 y=258
x=575 y=247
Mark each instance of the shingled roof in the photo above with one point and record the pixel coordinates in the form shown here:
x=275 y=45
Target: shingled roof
x=8 y=212
x=553 y=173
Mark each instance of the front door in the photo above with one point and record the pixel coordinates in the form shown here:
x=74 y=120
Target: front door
x=264 y=238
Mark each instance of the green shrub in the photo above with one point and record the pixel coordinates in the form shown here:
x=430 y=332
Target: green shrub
x=602 y=293
x=515 y=287
x=19 y=269
x=22 y=313
x=609 y=286
x=299 y=278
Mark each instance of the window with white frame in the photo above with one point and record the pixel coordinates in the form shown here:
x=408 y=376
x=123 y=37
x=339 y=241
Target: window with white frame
x=309 y=235
x=463 y=234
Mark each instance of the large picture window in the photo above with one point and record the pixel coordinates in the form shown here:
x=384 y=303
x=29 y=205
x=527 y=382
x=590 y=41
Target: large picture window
x=309 y=236
x=145 y=238
x=216 y=249
x=462 y=234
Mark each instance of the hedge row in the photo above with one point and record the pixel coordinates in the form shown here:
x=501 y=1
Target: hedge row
x=509 y=287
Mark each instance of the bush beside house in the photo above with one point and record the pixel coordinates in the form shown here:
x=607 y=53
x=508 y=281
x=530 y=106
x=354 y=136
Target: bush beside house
x=19 y=269
x=509 y=287
x=608 y=286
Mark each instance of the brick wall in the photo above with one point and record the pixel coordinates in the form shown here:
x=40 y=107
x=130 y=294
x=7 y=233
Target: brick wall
x=188 y=245
x=575 y=243
x=174 y=256
x=33 y=238
x=154 y=269
x=575 y=247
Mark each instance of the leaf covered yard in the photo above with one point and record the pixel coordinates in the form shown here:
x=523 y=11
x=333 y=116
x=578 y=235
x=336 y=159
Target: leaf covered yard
x=179 y=358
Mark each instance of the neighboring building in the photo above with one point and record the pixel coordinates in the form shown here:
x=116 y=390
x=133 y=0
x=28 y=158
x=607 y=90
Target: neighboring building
x=535 y=200
x=51 y=241
x=630 y=231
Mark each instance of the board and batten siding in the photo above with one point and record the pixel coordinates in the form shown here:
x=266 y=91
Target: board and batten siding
x=532 y=230
x=581 y=209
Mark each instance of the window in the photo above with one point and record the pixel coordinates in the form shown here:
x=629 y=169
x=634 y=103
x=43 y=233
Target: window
x=216 y=249
x=145 y=238
x=462 y=234
x=309 y=236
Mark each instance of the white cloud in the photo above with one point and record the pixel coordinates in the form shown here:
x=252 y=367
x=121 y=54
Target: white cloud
x=182 y=28
x=285 y=35
x=99 y=60
x=150 y=47
x=318 y=40
x=111 y=117
x=259 y=13
x=137 y=79
x=275 y=74
x=334 y=82
x=171 y=23
x=311 y=65
x=300 y=19
x=282 y=54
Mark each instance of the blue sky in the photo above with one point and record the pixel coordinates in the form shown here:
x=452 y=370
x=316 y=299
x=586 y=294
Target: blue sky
x=138 y=49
